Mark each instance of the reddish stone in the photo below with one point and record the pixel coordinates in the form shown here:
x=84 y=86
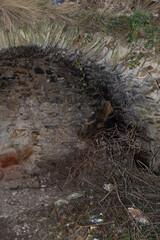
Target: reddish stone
x=9 y=159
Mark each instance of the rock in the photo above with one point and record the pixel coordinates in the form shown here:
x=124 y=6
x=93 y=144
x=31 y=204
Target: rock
x=49 y=72
x=74 y=196
x=38 y=70
x=109 y=187
x=61 y=202
x=8 y=158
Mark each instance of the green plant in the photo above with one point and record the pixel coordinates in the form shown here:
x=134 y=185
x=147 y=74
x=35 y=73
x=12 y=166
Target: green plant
x=115 y=25
x=78 y=65
x=138 y=25
x=133 y=63
x=138 y=21
x=134 y=27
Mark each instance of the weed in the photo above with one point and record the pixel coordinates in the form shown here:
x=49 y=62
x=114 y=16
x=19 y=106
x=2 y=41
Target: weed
x=133 y=63
x=138 y=25
x=79 y=65
x=116 y=25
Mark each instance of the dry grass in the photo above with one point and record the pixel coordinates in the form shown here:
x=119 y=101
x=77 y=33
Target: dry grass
x=19 y=12
x=149 y=6
x=12 y=11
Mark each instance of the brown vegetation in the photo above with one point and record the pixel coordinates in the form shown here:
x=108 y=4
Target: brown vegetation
x=110 y=161
x=30 y=12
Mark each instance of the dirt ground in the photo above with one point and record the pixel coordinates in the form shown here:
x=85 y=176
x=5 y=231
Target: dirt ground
x=26 y=207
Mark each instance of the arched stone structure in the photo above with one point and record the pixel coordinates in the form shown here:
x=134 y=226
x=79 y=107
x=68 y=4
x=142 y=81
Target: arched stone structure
x=134 y=93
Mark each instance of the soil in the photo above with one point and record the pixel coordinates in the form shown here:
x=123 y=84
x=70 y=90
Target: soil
x=27 y=204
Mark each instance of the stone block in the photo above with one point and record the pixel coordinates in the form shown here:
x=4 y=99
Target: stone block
x=8 y=158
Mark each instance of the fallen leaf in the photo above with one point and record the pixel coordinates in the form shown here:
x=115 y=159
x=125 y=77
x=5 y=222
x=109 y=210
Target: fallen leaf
x=138 y=215
x=58 y=224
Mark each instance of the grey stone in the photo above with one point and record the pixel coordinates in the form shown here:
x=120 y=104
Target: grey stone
x=74 y=196
x=61 y=202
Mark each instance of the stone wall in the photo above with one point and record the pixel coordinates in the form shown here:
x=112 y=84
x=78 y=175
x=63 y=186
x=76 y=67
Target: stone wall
x=133 y=92
x=43 y=107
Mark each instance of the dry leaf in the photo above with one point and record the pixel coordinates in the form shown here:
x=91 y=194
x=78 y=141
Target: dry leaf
x=138 y=215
